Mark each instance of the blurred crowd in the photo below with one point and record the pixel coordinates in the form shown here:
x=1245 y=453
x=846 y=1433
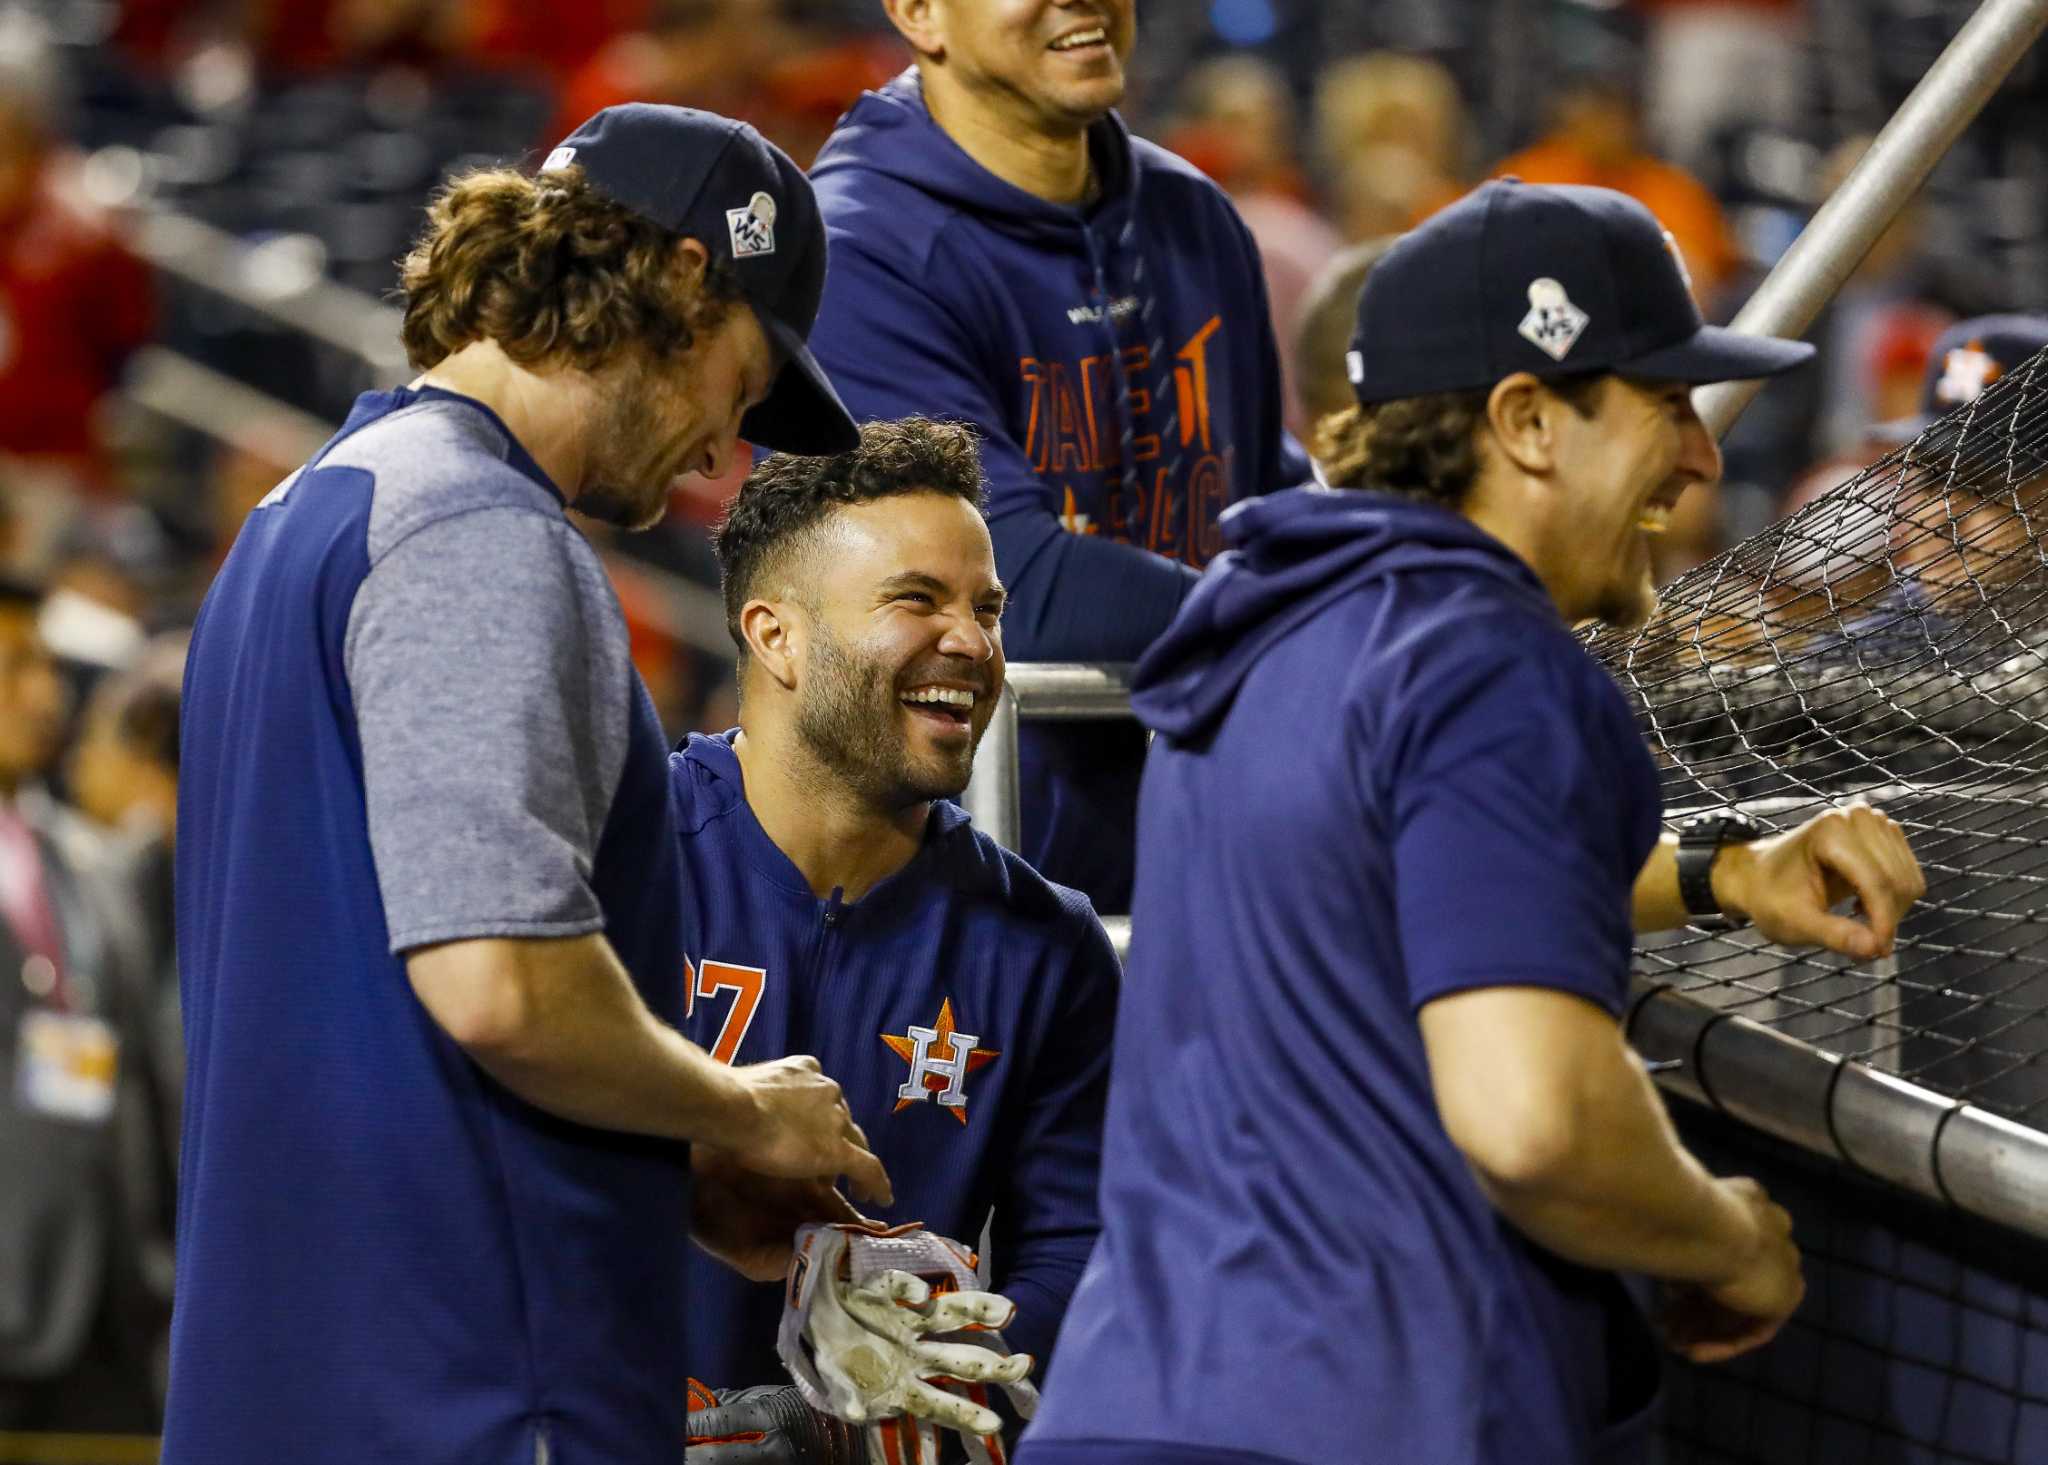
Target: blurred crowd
x=323 y=125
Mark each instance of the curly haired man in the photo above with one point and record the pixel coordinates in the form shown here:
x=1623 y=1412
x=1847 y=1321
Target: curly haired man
x=436 y=1161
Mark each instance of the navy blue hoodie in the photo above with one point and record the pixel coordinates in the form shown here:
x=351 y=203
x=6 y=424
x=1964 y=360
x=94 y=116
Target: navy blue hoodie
x=1384 y=772
x=1119 y=361
x=1011 y=983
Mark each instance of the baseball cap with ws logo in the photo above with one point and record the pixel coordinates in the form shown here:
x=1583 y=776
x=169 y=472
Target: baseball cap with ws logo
x=718 y=181
x=1553 y=280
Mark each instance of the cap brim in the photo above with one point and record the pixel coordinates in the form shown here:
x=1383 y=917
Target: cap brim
x=1716 y=354
x=801 y=413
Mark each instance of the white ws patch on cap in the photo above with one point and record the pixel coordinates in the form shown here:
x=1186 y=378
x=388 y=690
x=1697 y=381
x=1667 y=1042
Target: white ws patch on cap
x=753 y=227
x=1354 y=366
x=1553 y=324
x=559 y=158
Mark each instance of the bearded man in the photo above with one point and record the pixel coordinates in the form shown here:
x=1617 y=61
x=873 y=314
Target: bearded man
x=841 y=904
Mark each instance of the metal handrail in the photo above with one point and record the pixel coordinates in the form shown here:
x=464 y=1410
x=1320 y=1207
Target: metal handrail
x=1836 y=1107
x=1066 y=691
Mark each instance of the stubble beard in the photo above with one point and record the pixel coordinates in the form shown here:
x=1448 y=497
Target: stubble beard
x=849 y=721
x=626 y=484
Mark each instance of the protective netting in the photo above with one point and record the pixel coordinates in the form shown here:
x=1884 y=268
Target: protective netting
x=1923 y=1339
x=1890 y=641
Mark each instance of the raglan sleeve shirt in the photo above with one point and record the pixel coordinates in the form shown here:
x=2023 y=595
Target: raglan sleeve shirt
x=1046 y=1216
x=491 y=690
x=896 y=349
x=1522 y=805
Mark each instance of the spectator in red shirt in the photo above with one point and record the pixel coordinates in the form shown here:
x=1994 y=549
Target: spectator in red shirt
x=74 y=302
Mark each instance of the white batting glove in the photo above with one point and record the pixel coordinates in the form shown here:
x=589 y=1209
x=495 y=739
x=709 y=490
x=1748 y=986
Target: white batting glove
x=873 y=1318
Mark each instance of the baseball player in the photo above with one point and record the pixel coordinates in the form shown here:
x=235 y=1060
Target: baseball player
x=434 y=1176
x=838 y=903
x=1374 y=1131
x=1005 y=253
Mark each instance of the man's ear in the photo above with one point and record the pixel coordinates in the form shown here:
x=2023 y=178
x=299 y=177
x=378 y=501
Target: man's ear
x=918 y=22
x=693 y=259
x=1521 y=417
x=774 y=632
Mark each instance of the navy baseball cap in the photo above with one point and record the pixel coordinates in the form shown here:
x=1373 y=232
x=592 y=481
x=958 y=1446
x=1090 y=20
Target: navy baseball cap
x=1552 y=280
x=718 y=181
x=1967 y=357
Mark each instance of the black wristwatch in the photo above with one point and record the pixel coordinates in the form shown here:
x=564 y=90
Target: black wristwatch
x=1700 y=839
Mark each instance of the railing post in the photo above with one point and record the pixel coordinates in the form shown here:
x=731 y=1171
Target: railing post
x=991 y=799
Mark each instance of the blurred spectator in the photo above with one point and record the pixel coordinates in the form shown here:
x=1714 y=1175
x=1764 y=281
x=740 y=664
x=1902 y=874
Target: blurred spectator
x=123 y=774
x=697 y=53
x=74 y=302
x=123 y=769
x=1890 y=292
x=743 y=58
x=1596 y=138
x=1323 y=329
x=85 y=1212
x=1237 y=124
x=238 y=477
x=1967 y=357
x=1391 y=134
x=1711 y=63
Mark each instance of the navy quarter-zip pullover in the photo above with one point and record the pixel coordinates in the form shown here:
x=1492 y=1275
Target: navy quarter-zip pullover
x=965 y=1005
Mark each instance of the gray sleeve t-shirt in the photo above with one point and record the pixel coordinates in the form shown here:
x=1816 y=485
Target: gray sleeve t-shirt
x=487 y=658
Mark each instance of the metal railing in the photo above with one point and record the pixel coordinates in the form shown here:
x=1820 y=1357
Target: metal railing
x=1912 y=1137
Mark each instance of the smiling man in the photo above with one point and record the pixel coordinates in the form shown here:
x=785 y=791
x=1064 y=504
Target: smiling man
x=1005 y=253
x=841 y=905
x=437 y=1164
x=1374 y=1130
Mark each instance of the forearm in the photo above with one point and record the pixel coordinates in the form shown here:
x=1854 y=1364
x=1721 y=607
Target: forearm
x=1625 y=1194
x=1041 y=1293
x=1080 y=597
x=568 y=1033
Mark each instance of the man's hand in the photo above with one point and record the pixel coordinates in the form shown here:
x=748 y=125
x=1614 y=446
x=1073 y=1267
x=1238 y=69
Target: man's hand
x=748 y=1220
x=1714 y=1323
x=797 y=1127
x=1786 y=883
x=769 y=1425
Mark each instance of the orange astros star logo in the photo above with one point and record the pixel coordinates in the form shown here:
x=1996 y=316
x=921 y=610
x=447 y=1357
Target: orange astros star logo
x=940 y=1058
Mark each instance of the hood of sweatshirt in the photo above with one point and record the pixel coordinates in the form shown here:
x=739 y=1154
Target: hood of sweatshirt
x=1290 y=554
x=891 y=132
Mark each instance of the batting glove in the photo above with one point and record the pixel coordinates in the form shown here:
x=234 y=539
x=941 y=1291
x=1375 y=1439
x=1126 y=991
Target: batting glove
x=771 y=1425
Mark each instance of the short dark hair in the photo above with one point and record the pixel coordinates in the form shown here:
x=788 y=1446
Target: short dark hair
x=788 y=496
x=1423 y=447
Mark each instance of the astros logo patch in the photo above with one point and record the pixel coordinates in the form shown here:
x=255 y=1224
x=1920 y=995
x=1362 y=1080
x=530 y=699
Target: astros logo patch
x=753 y=227
x=1553 y=324
x=940 y=1058
x=1965 y=373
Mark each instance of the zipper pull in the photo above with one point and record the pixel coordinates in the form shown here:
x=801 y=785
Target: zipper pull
x=832 y=906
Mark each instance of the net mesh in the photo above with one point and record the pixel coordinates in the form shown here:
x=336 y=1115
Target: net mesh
x=1923 y=1339
x=1889 y=641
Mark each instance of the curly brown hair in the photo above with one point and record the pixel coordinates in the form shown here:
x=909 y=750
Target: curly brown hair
x=788 y=496
x=554 y=272
x=1424 y=447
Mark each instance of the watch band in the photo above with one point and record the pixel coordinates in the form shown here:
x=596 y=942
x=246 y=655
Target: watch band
x=1700 y=839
